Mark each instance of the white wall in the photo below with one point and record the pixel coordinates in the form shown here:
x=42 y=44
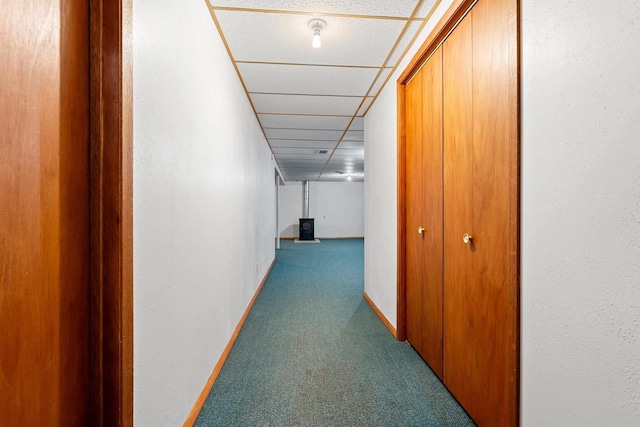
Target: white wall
x=204 y=206
x=580 y=213
x=380 y=190
x=580 y=278
x=290 y=209
x=338 y=208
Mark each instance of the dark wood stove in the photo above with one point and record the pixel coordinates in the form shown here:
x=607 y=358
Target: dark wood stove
x=306 y=229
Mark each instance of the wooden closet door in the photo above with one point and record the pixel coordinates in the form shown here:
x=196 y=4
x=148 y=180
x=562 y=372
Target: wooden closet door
x=44 y=213
x=424 y=212
x=479 y=349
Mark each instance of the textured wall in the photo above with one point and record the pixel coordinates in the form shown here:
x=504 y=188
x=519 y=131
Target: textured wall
x=381 y=203
x=338 y=208
x=580 y=213
x=380 y=194
x=204 y=206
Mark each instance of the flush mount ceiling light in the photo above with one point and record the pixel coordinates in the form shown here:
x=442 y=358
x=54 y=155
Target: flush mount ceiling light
x=317 y=25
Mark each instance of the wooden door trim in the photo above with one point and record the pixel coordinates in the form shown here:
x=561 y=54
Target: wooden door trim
x=111 y=212
x=443 y=28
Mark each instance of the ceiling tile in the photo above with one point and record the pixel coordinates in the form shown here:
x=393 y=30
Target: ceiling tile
x=352 y=144
x=357 y=124
x=318 y=135
x=336 y=177
x=425 y=8
x=347 y=168
x=404 y=42
x=381 y=79
x=333 y=177
x=282 y=143
x=304 y=122
x=313 y=105
x=311 y=170
x=339 y=171
x=306 y=98
x=302 y=176
x=275 y=78
x=352 y=163
x=292 y=161
x=365 y=106
x=302 y=151
x=269 y=37
x=350 y=153
x=402 y=8
x=354 y=135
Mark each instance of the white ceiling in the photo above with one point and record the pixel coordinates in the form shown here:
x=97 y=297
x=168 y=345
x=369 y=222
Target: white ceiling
x=311 y=102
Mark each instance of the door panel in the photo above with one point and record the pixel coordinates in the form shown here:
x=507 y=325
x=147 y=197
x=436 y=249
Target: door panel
x=44 y=213
x=459 y=325
x=424 y=209
x=491 y=202
x=415 y=213
x=477 y=199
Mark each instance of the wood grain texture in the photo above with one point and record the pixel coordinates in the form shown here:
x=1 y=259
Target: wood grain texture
x=432 y=164
x=479 y=318
x=487 y=197
x=496 y=137
x=44 y=217
x=111 y=214
x=455 y=11
x=462 y=343
x=381 y=316
x=414 y=195
x=197 y=407
x=424 y=209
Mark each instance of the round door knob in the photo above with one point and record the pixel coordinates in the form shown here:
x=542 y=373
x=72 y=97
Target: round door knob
x=466 y=238
x=420 y=230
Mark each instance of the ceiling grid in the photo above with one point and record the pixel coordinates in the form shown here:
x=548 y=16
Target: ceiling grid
x=311 y=102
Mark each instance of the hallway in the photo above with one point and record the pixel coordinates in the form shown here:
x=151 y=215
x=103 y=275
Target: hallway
x=312 y=352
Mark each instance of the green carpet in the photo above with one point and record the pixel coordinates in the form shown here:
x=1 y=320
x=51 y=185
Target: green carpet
x=313 y=353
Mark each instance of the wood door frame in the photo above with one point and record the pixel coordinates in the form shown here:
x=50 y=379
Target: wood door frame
x=111 y=212
x=443 y=28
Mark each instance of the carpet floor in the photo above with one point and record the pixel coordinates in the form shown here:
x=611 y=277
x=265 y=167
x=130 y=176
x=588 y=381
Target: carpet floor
x=313 y=353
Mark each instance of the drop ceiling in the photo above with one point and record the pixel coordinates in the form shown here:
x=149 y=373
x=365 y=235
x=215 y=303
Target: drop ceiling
x=311 y=102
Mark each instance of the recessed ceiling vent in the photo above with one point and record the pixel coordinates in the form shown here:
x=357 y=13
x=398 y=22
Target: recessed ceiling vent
x=322 y=151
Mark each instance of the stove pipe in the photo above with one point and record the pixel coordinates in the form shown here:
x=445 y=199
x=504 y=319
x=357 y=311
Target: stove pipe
x=305 y=205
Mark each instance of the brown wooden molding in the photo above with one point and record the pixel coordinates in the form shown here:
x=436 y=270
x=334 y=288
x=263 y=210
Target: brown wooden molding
x=382 y=317
x=401 y=288
x=111 y=212
x=197 y=407
x=448 y=21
